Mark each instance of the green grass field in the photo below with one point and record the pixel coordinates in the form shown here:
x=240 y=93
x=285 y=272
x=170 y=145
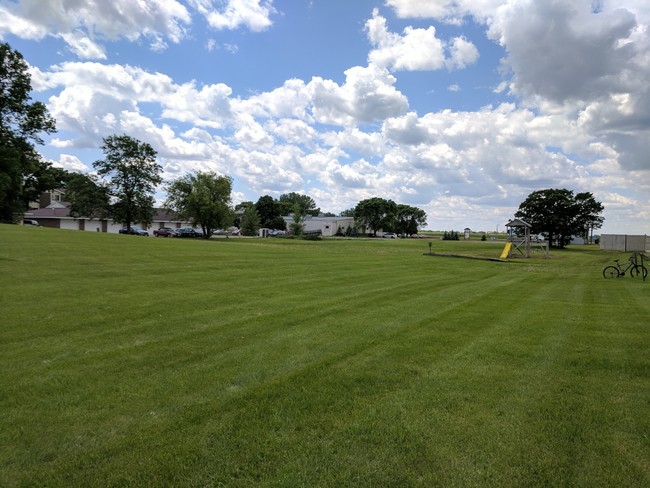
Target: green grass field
x=130 y=361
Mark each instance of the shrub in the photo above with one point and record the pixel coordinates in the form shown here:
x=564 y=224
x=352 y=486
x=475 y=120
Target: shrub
x=451 y=236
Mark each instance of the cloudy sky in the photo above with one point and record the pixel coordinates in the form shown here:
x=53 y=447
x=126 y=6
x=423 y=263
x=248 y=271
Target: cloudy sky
x=461 y=108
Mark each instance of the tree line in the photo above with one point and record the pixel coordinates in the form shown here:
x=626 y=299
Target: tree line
x=125 y=181
x=203 y=198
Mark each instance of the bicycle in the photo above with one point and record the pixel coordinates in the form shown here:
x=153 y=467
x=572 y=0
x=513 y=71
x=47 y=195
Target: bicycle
x=633 y=268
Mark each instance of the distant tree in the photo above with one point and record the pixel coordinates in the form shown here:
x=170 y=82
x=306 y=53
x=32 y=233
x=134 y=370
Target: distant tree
x=11 y=184
x=23 y=174
x=589 y=214
x=270 y=213
x=42 y=177
x=306 y=204
x=409 y=219
x=88 y=197
x=202 y=198
x=347 y=213
x=351 y=231
x=375 y=214
x=560 y=214
x=244 y=205
x=133 y=174
x=250 y=221
x=297 y=226
x=240 y=208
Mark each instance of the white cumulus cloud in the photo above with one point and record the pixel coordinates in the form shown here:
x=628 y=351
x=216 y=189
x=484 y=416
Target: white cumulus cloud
x=416 y=49
x=232 y=14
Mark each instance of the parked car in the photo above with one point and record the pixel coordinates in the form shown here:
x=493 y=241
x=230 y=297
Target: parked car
x=230 y=231
x=165 y=232
x=188 y=232
x=134 y=230
x=390 y=235
x=31 y=222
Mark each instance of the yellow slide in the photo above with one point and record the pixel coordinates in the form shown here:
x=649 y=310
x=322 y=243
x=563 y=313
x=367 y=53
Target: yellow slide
x=506 y=250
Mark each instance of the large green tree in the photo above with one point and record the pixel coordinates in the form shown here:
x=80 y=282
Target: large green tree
x=132 y=176
x=202 y=198
x=88 y=197
x=376 y=214
x=23 y=174
x=588 y=215
x=559 y=214
x=305 y=204
x=240 y=208
x=270 y=212
x=297 y=225
x=42 y=176
x=250 y=221
x=409 y=219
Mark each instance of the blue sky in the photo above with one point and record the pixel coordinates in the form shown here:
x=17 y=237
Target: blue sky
x=461 y=108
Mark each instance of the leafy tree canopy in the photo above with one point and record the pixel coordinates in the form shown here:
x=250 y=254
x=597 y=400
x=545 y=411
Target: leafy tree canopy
x=270 y=213
x=203 y=198
x=297 y=225
x=250 y=221
x=23 y=174
x=88 y=197
x=305 y=204
x=20 y=118
x=133 y=174
x=42 y=176
x=240 y=208
x=409 y=219
x=560 y=214
x=375 y=214
x=243 y=206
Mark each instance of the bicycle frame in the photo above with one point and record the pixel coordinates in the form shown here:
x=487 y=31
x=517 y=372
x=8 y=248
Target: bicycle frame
x=633 y=268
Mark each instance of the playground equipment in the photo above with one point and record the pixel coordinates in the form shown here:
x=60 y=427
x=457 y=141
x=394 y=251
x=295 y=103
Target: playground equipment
x=506 y=250
x=520 y=242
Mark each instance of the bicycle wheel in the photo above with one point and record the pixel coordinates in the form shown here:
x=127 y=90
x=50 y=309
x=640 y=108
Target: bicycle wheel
x=611 y=272
x=640 y=271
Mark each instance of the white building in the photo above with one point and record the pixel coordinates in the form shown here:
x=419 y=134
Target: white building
x=57 y=215
x=328 y=226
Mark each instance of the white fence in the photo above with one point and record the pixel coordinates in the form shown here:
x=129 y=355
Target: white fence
x=622 y=242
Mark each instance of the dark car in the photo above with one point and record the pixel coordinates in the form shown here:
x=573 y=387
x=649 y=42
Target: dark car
x=135 y=230
x=165 y=232
x=188 y=232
